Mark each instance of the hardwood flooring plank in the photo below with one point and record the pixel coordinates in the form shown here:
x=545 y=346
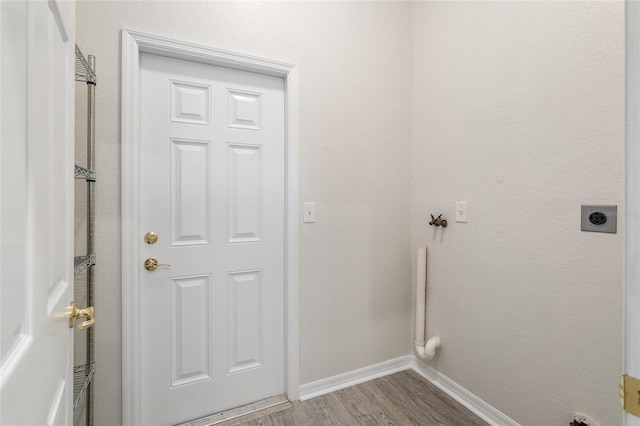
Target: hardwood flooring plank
x=399 y=413
x=401 y=399
x=427 y=396
x=364 y=408
x=427 y=402
x=298 y=415
x=327 y=410
x=401 y=404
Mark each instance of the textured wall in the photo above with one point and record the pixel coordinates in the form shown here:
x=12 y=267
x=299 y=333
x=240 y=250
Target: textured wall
x=518 y=109
x=354 y=61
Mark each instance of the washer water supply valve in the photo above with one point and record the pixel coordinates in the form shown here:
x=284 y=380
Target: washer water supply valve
x=438 y=221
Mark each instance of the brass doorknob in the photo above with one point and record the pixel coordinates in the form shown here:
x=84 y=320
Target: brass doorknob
x=151 y=264
x=75 y=313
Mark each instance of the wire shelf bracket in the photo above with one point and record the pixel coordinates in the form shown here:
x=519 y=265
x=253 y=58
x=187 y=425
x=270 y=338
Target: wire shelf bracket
x=83 y=70
x=82 y=375
x=82 y=263
x=84 y=173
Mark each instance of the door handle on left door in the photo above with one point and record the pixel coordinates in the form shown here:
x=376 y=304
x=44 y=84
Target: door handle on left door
x=75 y=313
x=151 y=264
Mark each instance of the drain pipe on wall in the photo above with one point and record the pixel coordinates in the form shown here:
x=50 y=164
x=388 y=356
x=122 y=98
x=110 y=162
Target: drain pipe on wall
x=426 y=349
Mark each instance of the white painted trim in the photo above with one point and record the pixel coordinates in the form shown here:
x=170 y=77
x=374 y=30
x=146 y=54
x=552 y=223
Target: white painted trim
x=632 y=200
x=476 y=405
x=130 y=213
x=361 y=375
x=134 y=43
x=292 y=220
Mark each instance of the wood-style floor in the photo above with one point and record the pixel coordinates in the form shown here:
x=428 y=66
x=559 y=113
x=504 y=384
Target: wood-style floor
x=400 y=399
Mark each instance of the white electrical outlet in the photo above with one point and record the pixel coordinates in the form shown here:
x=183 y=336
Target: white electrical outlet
x=461 y=211
x=309 y=211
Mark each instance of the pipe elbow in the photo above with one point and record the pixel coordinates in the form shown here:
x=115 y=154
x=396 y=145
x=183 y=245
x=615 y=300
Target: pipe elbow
x=431 y=346
x=427 y=350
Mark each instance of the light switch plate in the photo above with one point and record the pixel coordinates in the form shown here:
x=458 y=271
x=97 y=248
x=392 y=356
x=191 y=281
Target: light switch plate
x=599 y=219
x=309 y=212
x=461 y=211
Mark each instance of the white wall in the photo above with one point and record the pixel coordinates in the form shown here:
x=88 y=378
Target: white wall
x=518 y=109
x=355 y=105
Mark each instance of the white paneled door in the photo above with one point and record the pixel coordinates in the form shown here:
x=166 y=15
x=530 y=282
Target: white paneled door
x=212 y=190
x=36 y=204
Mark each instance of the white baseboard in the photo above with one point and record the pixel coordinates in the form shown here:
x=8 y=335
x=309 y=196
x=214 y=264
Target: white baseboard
x=479 y=407
x=476 y=405
x=361 y=375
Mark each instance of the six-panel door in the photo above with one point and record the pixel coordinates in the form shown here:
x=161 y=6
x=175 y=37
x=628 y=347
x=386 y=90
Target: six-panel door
x=212 y=188
x=36 y=217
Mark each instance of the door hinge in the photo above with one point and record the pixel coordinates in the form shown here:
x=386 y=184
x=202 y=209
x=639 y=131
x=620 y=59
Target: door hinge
x=630 y=395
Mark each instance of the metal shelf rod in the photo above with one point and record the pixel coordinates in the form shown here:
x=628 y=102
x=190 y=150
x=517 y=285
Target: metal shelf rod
x=91 y=160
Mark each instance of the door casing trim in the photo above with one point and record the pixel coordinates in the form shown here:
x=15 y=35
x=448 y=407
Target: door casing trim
x=134 y=43
x=631 y=364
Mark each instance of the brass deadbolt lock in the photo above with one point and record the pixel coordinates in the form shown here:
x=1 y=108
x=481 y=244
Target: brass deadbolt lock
x=150 y=238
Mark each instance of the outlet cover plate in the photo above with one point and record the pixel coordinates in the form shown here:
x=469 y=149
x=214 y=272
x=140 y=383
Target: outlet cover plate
x=599 y=218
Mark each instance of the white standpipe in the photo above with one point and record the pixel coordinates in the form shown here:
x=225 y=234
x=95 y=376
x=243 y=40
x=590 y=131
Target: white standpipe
x=426 y=349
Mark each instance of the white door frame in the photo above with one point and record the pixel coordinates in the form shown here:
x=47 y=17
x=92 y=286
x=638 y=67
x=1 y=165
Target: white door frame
x=632 y=200
x=133 y=44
